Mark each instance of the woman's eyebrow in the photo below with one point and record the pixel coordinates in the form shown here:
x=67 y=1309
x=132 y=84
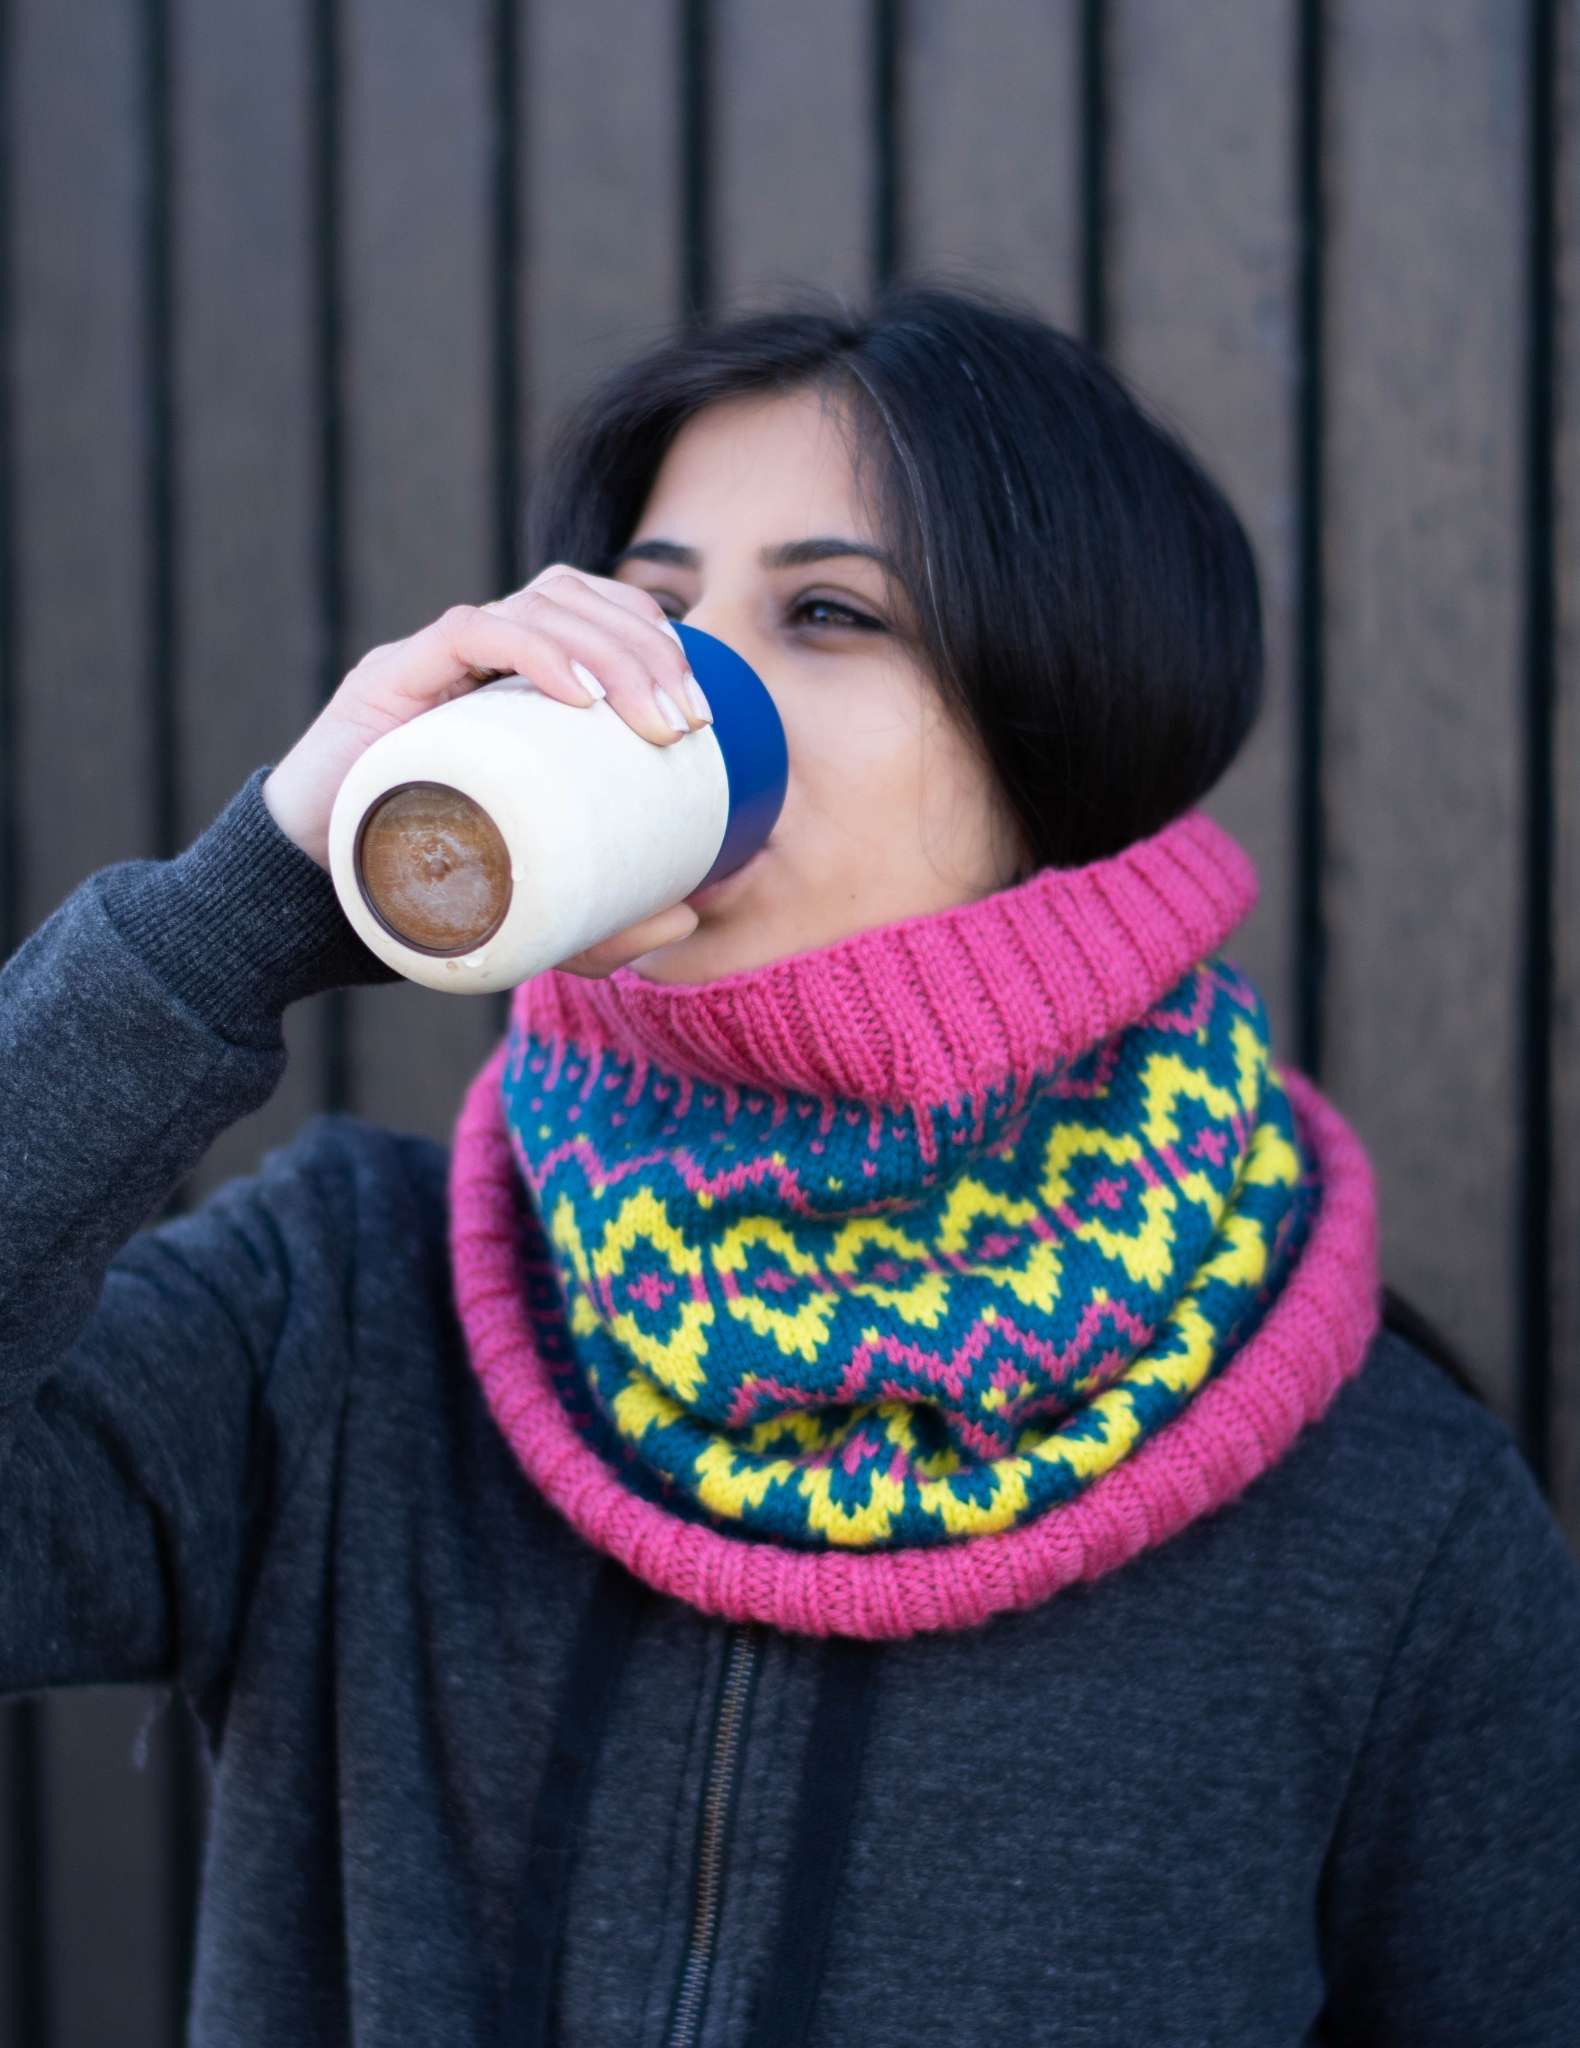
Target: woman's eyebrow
x=790 y=554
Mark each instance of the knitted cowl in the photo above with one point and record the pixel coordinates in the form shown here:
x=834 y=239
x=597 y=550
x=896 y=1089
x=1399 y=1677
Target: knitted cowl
x=904 y=1280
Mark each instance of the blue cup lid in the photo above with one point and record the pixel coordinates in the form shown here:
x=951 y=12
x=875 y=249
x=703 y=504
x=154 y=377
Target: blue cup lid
x=751 y=738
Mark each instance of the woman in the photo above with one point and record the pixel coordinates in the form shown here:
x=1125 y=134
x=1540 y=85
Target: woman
x=865 y=1496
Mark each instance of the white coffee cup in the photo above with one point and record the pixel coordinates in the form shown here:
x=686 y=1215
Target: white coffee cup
x=500 y=833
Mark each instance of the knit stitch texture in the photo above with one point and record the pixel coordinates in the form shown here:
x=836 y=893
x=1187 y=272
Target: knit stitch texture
x=907 y=1279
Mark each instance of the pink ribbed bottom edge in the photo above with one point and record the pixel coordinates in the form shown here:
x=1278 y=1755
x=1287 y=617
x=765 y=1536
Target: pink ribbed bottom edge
x=1315 y=1336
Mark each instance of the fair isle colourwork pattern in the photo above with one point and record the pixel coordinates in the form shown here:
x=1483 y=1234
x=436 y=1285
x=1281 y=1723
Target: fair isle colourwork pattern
x=855 y=1360
x=838 y=1323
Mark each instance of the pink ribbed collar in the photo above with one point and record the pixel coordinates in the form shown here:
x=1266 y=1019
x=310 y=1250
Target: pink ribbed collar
x=930 y=1008
x=937 y=1006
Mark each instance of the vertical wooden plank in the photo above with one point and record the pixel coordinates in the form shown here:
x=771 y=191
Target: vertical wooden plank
x=84 y=744
x=86 y=777
x=1201 y=292
x=990 y=134
x=601 y=198
x=244 y=669
x=110 y=1902
x=1422 y=784
x=21 y=1980
x=415 y=107
x=1565 y=1463
x=23 y=1991
x=793 y=172
x=246 y=675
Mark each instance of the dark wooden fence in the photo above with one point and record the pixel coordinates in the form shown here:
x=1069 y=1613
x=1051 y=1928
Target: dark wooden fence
x=291 y=293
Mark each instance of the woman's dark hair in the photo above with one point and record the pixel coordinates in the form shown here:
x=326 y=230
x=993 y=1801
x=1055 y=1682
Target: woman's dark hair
x=1087 y=597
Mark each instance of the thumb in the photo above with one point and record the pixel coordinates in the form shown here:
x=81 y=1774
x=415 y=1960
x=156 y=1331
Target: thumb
x=664 y=928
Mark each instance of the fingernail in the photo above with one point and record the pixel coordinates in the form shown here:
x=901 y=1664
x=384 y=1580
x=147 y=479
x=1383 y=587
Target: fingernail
x=673 y=714
x=695 y=698
x=668 y=627
x=588 y=680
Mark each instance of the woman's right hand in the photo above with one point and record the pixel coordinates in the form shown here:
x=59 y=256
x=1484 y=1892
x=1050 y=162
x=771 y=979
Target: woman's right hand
x=564 y=619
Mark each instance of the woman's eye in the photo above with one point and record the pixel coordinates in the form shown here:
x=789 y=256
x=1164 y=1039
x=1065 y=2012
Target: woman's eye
x=846 y=617
x=843 y=614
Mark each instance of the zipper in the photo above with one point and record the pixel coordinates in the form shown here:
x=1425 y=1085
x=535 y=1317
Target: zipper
x=717 y=1801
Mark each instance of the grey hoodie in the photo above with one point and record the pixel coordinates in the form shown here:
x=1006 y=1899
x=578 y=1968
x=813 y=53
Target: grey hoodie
x=1307 y=1772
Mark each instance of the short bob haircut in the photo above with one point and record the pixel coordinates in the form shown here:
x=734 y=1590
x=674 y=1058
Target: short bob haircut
x=1087 y=597
x=1088 y=600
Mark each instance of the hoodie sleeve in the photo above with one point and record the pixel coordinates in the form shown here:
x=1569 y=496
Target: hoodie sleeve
x=1451 y=1891
x=144 y=1427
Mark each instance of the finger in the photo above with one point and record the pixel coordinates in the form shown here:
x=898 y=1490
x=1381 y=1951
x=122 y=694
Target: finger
x=603 y=642
x=470 y=643
x=622 y=947
x=640 y=603
x=634 y=616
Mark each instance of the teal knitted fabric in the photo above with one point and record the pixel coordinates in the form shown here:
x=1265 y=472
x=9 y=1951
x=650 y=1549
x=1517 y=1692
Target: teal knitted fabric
x=828 y=1321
